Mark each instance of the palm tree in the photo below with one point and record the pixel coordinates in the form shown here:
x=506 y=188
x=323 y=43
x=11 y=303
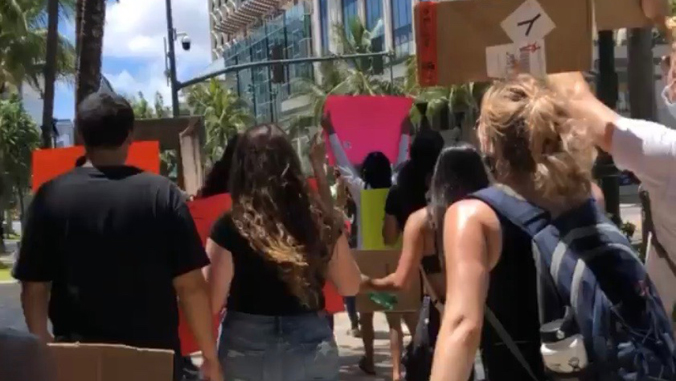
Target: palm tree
x=225 y=114
x=18 y=138
x=353 y=77
x=50 y=67
x=90 y=47
x=23 y=44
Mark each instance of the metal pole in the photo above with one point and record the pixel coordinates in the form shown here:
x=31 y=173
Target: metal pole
x=291 y=61
x=171 y=34
x=607 y=92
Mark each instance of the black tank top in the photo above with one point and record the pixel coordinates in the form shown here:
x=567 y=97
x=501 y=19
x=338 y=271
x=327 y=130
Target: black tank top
x=512 y=296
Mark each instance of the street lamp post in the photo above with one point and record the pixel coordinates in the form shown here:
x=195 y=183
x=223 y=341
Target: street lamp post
x=607 y=92
x=171 y=38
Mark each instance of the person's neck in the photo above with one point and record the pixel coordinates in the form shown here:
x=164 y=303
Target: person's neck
x=524 y=189
x=106 y=157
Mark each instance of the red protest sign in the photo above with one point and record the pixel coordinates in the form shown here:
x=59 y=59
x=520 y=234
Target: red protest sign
x=204 y=212
x=50 y=163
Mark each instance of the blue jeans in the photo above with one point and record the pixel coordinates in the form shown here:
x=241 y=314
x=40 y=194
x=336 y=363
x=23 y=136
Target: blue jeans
x=277 y=348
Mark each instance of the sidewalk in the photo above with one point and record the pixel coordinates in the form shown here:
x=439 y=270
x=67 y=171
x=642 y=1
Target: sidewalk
x=351 y=349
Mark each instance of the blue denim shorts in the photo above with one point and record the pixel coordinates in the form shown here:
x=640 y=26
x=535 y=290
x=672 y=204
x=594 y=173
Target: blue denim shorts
x=278 y=348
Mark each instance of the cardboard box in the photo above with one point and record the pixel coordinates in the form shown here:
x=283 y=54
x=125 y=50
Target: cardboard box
x=377 y=264
x=104 y=362
x=477 y=40
x=617 y=14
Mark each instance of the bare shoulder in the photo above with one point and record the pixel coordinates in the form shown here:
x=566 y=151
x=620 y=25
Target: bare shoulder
x=471 y=212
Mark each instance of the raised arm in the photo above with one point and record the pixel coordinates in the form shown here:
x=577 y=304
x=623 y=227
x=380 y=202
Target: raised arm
x=471 y=245
x=317 y=160
x=411 y=256
x=404 y=142
x=600 y=120
x=343 y=164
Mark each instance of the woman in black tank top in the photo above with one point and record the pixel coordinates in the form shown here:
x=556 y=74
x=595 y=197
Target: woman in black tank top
x=535 y=149
x=459 y=171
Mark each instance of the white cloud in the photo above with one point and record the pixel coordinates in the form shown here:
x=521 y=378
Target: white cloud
x=135 y=32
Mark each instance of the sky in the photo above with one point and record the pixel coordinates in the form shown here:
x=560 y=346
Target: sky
x=133 y=50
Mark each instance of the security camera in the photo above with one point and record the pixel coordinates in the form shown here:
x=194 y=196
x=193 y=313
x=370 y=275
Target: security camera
x=185 y=42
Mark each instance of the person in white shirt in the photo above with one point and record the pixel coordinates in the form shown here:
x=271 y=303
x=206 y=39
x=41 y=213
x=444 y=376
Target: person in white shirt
x=647 y=149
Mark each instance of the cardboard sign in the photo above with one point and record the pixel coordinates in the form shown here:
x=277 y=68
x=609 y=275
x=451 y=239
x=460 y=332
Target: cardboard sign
x=378 y=264
x=50 y=163
x=468 y=40
x=617 y=14
x=365 y=124
x=104 y=362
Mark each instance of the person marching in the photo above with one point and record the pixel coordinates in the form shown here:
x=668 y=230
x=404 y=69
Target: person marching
x=270 y=257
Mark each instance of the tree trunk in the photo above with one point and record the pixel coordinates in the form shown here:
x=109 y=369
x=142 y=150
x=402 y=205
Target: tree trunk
x=50 y=72
x=641 y=75
x=79 y=5
x=90 y=49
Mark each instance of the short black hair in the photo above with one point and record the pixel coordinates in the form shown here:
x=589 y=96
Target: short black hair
x=104 y=120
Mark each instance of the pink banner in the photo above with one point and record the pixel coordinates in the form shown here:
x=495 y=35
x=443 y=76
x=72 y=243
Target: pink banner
x=365 y=124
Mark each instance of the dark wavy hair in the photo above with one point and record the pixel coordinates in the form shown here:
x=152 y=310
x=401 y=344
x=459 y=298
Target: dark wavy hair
x=275 y=211
x=459 y=172
x=376 y=170
x=218 y=180
x=413 y=177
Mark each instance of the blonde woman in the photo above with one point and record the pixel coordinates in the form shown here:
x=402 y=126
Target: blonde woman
x=535 y=152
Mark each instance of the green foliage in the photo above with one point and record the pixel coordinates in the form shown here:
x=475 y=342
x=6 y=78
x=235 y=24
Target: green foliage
x=144 y=110
x=225 y=114
x=350 y=77
x=23 y=43
x=19 y=136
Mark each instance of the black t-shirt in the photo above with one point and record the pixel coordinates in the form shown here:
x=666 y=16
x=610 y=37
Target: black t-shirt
x=394 y=206
x=256 y=286
x=111 y=240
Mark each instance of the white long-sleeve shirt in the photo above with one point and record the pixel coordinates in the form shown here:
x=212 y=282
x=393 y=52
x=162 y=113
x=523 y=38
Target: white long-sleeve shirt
x=648 y=150
x=354 y=182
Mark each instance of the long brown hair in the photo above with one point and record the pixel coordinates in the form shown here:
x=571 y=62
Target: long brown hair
x=274 y=210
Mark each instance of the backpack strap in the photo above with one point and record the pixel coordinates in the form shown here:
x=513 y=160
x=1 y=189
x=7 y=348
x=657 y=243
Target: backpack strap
x=509 y=342
x=507 y=204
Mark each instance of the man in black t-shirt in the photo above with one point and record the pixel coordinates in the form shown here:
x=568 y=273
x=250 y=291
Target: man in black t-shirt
x=108 y=248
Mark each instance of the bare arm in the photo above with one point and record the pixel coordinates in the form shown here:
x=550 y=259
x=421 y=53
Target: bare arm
x=219 y=275
x=35 y=302
x=317 y=159
x=194 y=300
x=411 y=256
x=404 y=141
x=343 y=270
x=599 y=119
x=472 y=247
x=390 y=230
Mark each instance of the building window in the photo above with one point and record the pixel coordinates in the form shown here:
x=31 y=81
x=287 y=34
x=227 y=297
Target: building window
x=402 y=30
x=324 y=24
x=350 y=11
x=374 y=14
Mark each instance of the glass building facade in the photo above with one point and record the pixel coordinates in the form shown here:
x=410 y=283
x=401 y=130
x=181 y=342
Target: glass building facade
x=374 y=14
x=290 y=35
x=350 y=11
x=324 y=24
x=402 y=27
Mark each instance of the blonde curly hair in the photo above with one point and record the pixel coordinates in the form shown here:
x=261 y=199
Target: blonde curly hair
x=529 y=136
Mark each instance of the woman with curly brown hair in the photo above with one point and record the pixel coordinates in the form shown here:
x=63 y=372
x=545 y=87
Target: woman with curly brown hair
x=538 y=153
x=270 y=258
